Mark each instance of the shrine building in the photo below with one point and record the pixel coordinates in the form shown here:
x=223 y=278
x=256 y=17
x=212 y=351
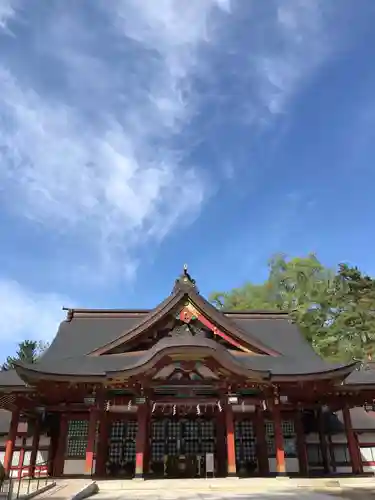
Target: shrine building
x=185 y=390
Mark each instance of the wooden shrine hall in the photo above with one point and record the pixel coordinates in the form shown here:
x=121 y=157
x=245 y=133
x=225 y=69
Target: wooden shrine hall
x=182 y=390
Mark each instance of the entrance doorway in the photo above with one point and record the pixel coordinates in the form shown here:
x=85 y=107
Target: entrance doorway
x=246 y=448
x=121 y=448
x=180 y=447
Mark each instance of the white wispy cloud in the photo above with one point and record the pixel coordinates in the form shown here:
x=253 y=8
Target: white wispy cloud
x=26 y=314
x=98 y=160
x=283 y=45
x=121 y=182
x=302 y=43
x=7 y=12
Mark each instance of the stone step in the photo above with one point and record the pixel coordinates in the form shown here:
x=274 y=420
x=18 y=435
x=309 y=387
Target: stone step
x=230 y=484
x=222 y=484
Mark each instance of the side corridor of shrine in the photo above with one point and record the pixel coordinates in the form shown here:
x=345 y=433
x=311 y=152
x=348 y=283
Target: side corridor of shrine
x=183 y=390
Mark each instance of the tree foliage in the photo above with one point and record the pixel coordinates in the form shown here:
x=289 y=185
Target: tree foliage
x=29 y=351
x=335 y=310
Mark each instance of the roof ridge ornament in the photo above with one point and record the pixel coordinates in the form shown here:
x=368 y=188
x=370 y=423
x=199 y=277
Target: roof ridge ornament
x=185 y=281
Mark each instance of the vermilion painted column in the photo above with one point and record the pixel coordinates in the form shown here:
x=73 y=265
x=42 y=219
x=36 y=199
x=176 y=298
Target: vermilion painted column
x=34 y=447
x=12 y=435
x=231 y=445
x=141 y=441
x=261 y=443
x=90 y=448
x=352 y=443
x=301 y=445
x=279 y=441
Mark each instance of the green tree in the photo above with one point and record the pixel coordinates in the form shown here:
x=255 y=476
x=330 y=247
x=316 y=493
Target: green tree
x=354 y=304
x=249 y=296
x=302 y=286
x=335 y=311
x=29 y=351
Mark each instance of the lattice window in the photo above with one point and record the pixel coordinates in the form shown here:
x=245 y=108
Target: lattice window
x=191 y=447
x=249 y=451
x=157 y=451
x=173 y=448
x=191 y=429
x=122 y=443
x=208 y=446
x=131 y=431
x=289 y=438
x=117 y=430
x=269 y=428
x=245 y=442
x=173 y=429
x=288 y=427
x=158 y=430
x=76 y=441
x=247 y=430
x=115 y=452
x=207 y=429
x=271 y=452
x=129 y=452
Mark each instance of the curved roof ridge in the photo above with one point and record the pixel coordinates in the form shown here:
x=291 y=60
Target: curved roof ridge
x=180 y=293
x=164 y=347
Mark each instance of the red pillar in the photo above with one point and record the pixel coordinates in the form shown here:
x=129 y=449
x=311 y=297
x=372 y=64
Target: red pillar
x=12 y=435
x=279 y=441
x=141 y=441
x=34 y=447
x=301 y=445
x=90 y=449
x=352 y=443
x=231 y=445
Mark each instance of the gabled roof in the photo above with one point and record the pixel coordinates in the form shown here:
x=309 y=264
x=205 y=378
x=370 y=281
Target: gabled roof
x=183 y=292
x=131 y=364
x=86 y=332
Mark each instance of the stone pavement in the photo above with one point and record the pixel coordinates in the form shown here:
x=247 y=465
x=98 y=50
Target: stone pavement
x=217 y=489
x=217 y=495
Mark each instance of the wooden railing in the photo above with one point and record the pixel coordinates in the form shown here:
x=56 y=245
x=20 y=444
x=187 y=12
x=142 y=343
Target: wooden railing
x=24 y=484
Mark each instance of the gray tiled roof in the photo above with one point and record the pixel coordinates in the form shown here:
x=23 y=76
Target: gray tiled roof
x=105 y=364
x=285 y=365
x=361 y=377
x=82 y=335
x=9 y=378
x=85 y=332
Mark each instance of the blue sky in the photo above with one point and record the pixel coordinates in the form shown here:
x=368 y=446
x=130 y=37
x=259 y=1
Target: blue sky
x=137 y=135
